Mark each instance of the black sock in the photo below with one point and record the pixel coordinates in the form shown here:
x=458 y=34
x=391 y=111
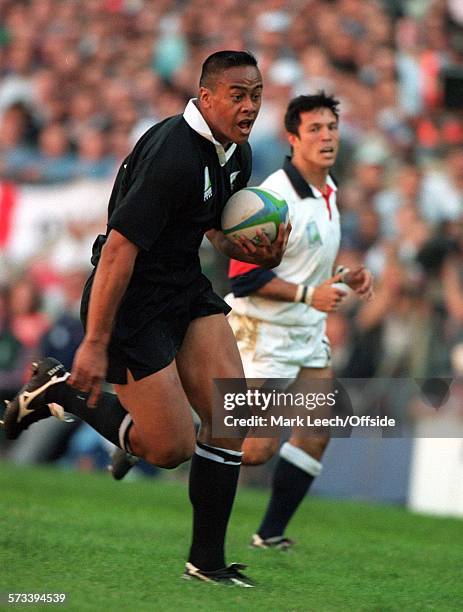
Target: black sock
x=106 y=418
x=289 y=486
x=213 y=479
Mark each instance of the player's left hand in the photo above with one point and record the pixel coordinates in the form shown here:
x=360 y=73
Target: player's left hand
x=266 y=254
x=89 y=370
x=360 y=280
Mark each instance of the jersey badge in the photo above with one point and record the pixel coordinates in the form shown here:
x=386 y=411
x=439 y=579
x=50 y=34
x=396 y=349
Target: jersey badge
x=313 y=235
x=233 y=176
x=207 y=184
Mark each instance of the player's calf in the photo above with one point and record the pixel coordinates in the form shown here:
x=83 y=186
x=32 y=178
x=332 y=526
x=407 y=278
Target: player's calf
x=47 y=393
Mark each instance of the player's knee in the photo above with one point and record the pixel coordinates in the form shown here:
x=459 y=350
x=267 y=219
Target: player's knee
x=315 y=447
x=257 y=452
x=170 y=457
x=321 y=443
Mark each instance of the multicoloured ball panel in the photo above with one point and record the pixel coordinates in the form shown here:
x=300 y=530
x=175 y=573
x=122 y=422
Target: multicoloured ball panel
x=251 y=209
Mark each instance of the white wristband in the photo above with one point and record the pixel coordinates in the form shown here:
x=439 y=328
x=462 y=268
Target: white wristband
x=299 y=293
x=304 y=294
x=309 y=296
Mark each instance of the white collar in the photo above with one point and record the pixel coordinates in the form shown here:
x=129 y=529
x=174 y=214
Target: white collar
x=329 y=181
x=197 y=123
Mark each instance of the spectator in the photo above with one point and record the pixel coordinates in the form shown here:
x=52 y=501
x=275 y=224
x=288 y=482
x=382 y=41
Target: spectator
x=64 y=335
x=16 y=151
x=13 y=357
x=405 y=190
x=443 y=189
x=54 y=161
x=93 y=160
x=28 y=322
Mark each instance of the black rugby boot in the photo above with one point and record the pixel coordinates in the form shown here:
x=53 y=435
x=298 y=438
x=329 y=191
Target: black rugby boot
x=32 y=403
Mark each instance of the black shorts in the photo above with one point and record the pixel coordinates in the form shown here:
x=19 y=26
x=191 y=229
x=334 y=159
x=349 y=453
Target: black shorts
x=155 y=343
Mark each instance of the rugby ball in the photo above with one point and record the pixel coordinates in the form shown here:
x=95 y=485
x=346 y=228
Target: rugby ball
x=251 y=209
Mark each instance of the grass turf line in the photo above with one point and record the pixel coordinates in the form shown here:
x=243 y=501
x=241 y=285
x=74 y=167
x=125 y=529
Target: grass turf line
x=121 y=546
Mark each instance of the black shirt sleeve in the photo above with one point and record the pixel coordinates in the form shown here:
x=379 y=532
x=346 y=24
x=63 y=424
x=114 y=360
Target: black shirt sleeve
x=250 y=282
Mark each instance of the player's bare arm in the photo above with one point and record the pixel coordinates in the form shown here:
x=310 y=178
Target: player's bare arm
x=267 y=254
x=111 y=280
x=325 y=297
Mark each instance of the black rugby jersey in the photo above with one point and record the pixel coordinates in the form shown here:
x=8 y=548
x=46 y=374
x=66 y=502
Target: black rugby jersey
x=168 y=192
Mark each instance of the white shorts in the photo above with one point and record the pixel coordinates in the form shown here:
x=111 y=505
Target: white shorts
x=279 y=351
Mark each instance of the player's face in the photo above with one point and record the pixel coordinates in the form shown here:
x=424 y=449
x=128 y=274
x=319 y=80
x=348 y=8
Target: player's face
x=317 y=142
x=232 y=105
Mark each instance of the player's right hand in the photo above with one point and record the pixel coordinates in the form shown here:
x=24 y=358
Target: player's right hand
x=89 y=370
x=327 y=298
x=266 y=254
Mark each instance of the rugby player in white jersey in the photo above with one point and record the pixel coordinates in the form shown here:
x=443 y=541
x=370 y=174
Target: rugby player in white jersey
x=279 y=316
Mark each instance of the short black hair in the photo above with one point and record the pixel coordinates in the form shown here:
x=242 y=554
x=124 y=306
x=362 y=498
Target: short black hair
x=222 y=60
x=304 y=104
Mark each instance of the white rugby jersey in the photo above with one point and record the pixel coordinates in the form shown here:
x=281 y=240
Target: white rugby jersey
x=310 y=255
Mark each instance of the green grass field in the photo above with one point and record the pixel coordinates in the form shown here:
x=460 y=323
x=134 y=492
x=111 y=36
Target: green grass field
x=121 y=546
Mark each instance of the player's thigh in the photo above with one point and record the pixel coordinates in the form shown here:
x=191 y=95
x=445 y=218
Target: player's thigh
x=259 y=450
x=263 y=368
x=208 y=351
x=314 y=444
x=159 y=408
x=266 y=349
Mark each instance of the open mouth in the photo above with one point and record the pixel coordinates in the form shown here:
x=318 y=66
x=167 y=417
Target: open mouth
x=327 y=150
x=245 y=125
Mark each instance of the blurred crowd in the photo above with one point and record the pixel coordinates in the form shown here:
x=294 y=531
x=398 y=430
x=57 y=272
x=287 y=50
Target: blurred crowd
x=81 y=80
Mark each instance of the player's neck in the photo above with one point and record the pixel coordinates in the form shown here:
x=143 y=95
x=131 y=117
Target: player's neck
x=314 y=175
x=226 y=144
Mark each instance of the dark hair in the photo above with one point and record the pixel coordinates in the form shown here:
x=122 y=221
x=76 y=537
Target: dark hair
x=222 y=60
x=304 y=104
